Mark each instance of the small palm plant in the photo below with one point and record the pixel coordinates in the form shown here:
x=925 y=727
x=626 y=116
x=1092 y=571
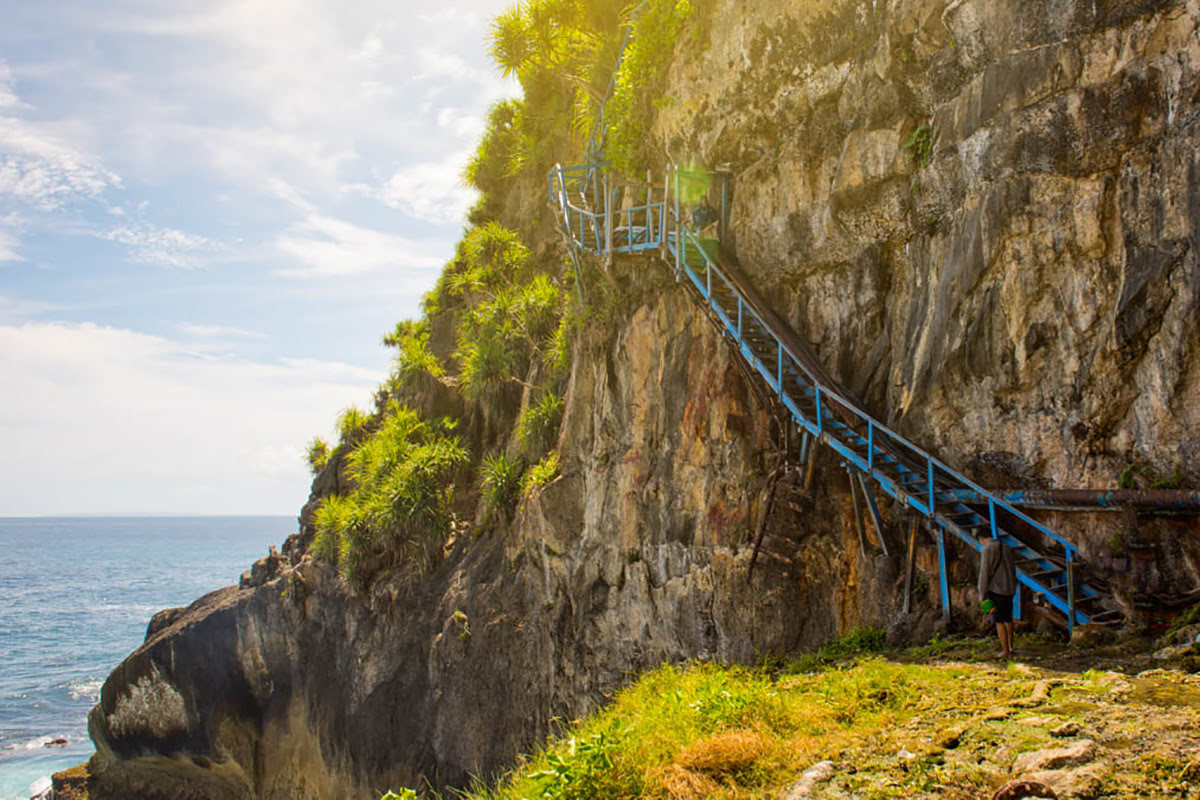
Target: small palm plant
x=500 y=477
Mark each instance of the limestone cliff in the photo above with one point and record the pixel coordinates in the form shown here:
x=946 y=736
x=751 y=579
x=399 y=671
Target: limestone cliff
x=981 y=212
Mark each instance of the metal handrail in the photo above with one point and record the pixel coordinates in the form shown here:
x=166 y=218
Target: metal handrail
x=874 y=427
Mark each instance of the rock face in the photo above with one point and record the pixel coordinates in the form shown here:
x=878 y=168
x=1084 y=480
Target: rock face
x=983 y=213
x=292 y=685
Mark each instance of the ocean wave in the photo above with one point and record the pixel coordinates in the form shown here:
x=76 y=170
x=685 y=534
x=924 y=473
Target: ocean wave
x=85 y=689
x=36 y=743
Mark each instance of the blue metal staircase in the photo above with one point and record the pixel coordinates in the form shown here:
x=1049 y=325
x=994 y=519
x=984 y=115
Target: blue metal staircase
x=600 y=216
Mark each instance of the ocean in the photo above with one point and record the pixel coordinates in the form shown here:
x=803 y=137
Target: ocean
x=75 y=596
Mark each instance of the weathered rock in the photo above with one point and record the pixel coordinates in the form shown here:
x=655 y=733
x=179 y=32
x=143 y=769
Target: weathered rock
x=809 y=780
x=951 y=738
x=1073 y=754
x=304 y=687
x=1068 y=728
x=1081 y=783
x=71 y=784
x=1039 y=695
x=1091 y=636
x=264 y=569
x=1022 y=788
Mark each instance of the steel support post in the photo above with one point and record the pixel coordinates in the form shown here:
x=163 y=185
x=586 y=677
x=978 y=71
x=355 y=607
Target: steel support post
x=942 y=575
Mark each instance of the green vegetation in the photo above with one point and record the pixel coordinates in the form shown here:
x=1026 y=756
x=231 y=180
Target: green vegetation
x=317 y=454
x=401 y=497
x=888 y=728
x=501 y=322
x=500 y=479
x=860 y=641
x=414 y=365
x=920 y=145
x=403 y=794
x=1138 y=475
x=539 y=475
x=704 y=730
x=538 y=426
x=641 y=79
x=352 y=426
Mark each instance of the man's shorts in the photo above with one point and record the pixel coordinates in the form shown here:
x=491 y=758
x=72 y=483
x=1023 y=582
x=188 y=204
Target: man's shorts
x=1003 y=604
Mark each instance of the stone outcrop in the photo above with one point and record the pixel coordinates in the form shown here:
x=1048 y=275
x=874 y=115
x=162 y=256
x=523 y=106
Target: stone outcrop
x=296 y=685
x=984 y=217
x=983 y=213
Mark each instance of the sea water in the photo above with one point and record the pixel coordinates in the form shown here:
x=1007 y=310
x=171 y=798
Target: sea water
x=75 y=596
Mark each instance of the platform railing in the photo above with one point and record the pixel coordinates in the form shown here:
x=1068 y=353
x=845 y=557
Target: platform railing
x=862 y=442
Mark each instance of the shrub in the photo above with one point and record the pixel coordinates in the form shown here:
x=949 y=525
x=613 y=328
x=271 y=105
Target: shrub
x=317 y=454
x=557 y=355
x=500 y=477
x=352 y=425
x=539 y=475
x=496 y=250
x=486 y=363
x=538 y=427
x=399 y=498
x=490 y=164
x=414 y=362
x=640 y=80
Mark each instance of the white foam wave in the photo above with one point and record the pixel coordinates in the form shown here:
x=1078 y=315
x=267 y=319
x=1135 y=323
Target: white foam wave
x=35 y=743
x=40 y=788
x=86 y=689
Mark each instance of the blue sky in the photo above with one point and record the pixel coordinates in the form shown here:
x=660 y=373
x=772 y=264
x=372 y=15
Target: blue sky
x=209 y=214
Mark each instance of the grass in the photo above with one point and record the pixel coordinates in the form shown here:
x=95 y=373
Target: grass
x=891 y=727
x=857 y=642
x=703 y=730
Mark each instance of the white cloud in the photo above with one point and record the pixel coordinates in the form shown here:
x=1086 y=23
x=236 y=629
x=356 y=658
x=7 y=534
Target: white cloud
x=9 y=239
x=331 y=247
x=8 y=96
x=114 y=420
x=462 y=125
x=218 y=332
x=15 y=309
x=164 y=247
x=431 y=191
x=39 y=163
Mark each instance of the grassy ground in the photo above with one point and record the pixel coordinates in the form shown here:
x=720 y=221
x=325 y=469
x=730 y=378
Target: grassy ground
x=938 y=721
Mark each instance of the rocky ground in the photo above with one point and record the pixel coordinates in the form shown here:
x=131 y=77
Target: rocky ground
x=1081 y=724
x=942 y=721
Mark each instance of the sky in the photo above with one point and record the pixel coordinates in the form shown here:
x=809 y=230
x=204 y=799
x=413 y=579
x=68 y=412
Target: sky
x=210 y=212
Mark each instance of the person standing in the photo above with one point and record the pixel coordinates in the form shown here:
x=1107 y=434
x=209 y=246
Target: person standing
x=998 y=583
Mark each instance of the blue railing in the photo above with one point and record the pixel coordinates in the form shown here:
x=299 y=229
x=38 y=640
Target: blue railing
x=598 y=222
x=903 y=470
